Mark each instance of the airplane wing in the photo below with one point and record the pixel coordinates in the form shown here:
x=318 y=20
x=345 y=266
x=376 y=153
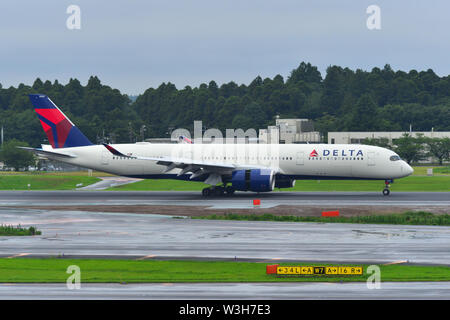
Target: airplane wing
x=48 y=153
x=198 y=168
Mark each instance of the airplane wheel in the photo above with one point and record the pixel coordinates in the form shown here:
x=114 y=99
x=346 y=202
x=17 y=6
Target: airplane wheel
x=386 y=192
x=229 y=190
x=206 y=192
x=219 y=191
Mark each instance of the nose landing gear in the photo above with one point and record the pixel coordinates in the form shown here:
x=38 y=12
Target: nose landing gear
x=387 y=185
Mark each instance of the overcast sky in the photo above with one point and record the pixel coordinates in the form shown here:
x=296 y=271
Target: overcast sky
x=133 y=45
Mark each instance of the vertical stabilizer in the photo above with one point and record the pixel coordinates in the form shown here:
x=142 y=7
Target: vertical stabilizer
x=61 y=132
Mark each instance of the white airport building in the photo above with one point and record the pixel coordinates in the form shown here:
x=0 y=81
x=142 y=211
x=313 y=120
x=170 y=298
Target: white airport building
x=284 y=131
x=290 y=131
x=359 y=137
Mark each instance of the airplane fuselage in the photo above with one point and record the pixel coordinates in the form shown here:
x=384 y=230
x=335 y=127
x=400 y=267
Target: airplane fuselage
x=297 y=161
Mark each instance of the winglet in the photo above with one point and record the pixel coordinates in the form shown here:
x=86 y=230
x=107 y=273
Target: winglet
x=114 y=151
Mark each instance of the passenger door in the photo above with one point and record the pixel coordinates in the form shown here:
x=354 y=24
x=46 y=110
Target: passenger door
x=371 y=158
x=105 y=157
x=300 y=158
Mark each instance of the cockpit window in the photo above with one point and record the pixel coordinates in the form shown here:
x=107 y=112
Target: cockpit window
x=395 y=158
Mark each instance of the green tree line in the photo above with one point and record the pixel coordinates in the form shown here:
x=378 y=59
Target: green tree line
x=342 y=100
x=415 y=148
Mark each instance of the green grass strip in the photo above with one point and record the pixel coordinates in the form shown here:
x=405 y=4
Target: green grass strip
x=442 y=170
x=129 y=271
x=43 y=182
x=412 y=183
x=18 y=231
x=67 y=181
x=406 y=218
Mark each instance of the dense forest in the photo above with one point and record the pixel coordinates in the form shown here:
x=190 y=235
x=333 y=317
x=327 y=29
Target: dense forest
x=343 y=100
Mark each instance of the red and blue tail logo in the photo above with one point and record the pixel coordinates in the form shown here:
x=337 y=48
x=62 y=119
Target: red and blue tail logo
x=183 y=139
x=61 y=132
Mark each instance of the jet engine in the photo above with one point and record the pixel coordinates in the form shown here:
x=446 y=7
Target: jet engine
x=256 y=180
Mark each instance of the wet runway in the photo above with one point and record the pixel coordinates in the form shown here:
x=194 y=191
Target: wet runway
x=143 y=236
x=230 y=291
x=240 y=200
x=79 y=234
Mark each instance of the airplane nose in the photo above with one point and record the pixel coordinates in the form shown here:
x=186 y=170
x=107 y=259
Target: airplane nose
x=407 y=169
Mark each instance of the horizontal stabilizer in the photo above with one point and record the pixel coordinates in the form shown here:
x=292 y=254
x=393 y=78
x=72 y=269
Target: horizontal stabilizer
x=48 y=153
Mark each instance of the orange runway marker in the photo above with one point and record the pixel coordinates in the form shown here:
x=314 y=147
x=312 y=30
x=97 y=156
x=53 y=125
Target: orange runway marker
x=330 y=213
x=271 y=269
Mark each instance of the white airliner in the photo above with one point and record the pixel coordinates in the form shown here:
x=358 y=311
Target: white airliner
x=225 y=167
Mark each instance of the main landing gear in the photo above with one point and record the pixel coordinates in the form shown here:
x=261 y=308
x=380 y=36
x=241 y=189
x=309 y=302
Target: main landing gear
x=387 y=185
x=218 y=191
